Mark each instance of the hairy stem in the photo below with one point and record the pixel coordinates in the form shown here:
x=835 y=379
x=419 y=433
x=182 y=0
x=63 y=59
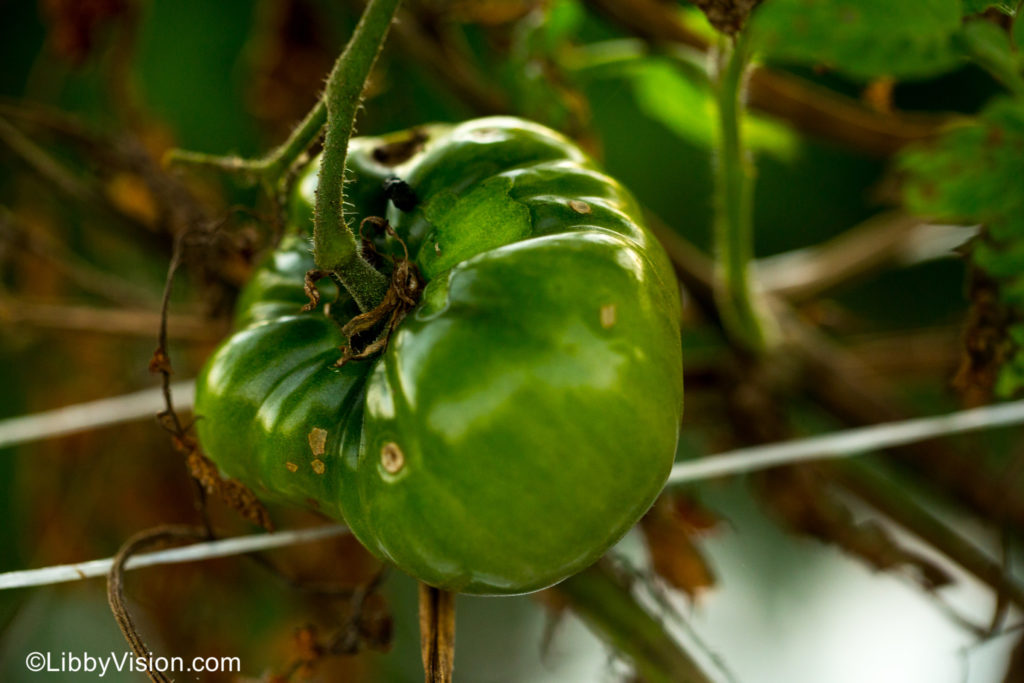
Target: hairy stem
x=734 y=220
x=334 y=244
x=272 y=167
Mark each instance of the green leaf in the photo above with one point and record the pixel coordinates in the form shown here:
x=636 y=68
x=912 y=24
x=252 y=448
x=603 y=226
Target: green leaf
x=862 y=38
x=1018 y=33
x=974 y=174
x=989 y=47
x=979 y=6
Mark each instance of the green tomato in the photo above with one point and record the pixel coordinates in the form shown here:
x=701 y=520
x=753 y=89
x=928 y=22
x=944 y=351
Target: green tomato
x=523 y=416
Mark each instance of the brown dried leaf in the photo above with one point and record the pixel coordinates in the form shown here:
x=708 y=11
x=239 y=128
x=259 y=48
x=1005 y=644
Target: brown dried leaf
x=233 y=492
x=674 y=555
x=160 y=362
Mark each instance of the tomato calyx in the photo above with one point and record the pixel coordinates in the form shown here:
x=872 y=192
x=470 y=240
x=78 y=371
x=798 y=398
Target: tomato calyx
x=404 y=291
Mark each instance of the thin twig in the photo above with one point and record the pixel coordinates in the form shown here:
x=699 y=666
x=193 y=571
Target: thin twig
x=82 y=417
x=72 y=266
x=879 y=241
x=226 y=547
x=44 y=164
x=115 y=583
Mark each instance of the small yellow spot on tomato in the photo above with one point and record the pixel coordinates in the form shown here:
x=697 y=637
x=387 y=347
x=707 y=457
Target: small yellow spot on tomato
x=318 y=466
x=579 y=206
x=608 y=316
x=291 y=467
x=437 y=248
x=391 y=457
x=318 y=440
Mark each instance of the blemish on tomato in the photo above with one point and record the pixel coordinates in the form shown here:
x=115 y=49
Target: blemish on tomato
x=318 y=440
x=291 y=467
x=391 y=457
x=608 y=314
x=318 y=466
x=579 y=206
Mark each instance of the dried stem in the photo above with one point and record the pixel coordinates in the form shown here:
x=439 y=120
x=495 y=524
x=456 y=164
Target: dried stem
x=115 y=583
x=437 y=633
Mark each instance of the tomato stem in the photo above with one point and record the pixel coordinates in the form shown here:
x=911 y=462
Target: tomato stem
x=270 y=169
x=743 y=316
x=335 y=247
x=334 y=244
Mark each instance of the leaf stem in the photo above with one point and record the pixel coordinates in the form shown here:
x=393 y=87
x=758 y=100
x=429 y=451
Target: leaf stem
x=334 y=244
x=742 y=315
x=272 y=167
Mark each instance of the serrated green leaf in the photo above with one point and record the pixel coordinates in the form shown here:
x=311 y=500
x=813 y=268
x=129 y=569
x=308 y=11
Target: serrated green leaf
x=863 y=38
x=975 y=174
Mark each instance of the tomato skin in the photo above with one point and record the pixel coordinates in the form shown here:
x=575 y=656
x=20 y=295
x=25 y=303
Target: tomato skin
x=525 y=413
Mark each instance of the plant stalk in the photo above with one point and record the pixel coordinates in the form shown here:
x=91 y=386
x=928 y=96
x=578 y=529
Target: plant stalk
x=607 y=605
x=334 y=244
x=743 y=316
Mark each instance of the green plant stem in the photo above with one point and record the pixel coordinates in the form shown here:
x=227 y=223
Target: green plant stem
x=272 y=167
x=734 y=218
x=607 y=605
x=334 y=244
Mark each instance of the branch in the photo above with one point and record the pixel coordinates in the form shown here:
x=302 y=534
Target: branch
x=607 y=606
x=878 y=241
x=45 y=165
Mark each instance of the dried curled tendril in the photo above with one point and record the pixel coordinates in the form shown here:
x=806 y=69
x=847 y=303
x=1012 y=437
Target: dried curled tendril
x=403 y=293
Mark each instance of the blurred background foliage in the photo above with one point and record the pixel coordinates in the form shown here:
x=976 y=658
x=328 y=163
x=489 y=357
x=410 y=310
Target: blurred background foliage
x=799 y=574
